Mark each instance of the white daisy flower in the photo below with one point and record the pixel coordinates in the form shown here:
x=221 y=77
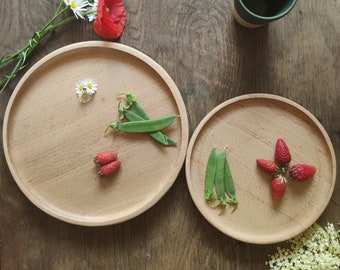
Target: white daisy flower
x=93 y=9
x=79 y=87
x=84 y=97
x=85 y=89
x=77 y=6
x=90 y=85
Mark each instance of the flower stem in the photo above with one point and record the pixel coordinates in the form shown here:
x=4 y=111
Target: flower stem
x=22 y=54
x=36 y=35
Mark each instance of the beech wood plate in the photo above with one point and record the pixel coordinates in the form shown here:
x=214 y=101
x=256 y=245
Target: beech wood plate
x=250 y=126
x=50 y=138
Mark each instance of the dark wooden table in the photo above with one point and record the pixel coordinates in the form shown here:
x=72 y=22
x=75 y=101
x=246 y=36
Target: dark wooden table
x=211 y=59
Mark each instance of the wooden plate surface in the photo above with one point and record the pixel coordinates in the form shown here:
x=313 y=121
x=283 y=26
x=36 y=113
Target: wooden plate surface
x=50 y=139
x=250 y=126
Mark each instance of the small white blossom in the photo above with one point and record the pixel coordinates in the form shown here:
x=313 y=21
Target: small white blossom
x=93 y=8
x=90 y=85
x=316 y=249
x=77 y=6
x=85 y=89
x=84 y=97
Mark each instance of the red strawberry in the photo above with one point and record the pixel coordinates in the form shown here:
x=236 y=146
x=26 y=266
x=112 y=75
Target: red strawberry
x=282 y=154
x=278 y=187
x=103 y=158
x=109 y=168
x=267 y=165
x=302 y=172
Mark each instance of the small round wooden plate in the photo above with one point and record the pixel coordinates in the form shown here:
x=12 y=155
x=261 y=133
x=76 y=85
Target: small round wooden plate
x=50 y=138
x=250 y=125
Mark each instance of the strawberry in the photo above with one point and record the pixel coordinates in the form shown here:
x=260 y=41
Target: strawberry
x=106 y=157
x=282 y=154
x=109 y=168
x=267 y=165
x=302 y=172
x=278 y=187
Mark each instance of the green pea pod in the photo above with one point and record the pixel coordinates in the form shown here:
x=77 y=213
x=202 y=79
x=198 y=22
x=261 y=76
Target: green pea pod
x=144 y=126
x=158 y=136
x=137 y=108
x=134 y=106
x=134 y=112
x=229 y=184
x=210 y=175
x=219 y=177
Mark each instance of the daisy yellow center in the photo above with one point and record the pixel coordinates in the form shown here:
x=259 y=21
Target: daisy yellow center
x=84 y=96
x=80 y=87
x=89 y=85
x=73 y=5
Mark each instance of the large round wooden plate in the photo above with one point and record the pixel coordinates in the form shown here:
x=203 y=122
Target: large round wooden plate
x=250 y=125
x=50 y=139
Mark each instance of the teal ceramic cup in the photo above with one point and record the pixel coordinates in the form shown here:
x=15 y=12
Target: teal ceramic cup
x=254 y=13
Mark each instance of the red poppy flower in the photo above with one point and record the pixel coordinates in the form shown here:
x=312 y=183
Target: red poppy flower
x=111 y=19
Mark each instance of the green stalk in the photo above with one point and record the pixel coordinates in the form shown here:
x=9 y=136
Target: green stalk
x=22 y=54
x=42 y=32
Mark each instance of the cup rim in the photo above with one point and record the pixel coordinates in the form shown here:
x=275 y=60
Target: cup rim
x=272 y=17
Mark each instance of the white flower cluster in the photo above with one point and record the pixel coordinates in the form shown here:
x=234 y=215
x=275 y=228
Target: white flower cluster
x=85 y=89
x=317 y=248
x=81 y=8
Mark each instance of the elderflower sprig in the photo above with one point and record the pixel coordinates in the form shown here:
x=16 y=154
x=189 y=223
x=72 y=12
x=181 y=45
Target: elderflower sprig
x=81 y=9
x=318 y=248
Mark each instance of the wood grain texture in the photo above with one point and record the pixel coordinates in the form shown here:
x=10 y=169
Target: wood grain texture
x=211 y=59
